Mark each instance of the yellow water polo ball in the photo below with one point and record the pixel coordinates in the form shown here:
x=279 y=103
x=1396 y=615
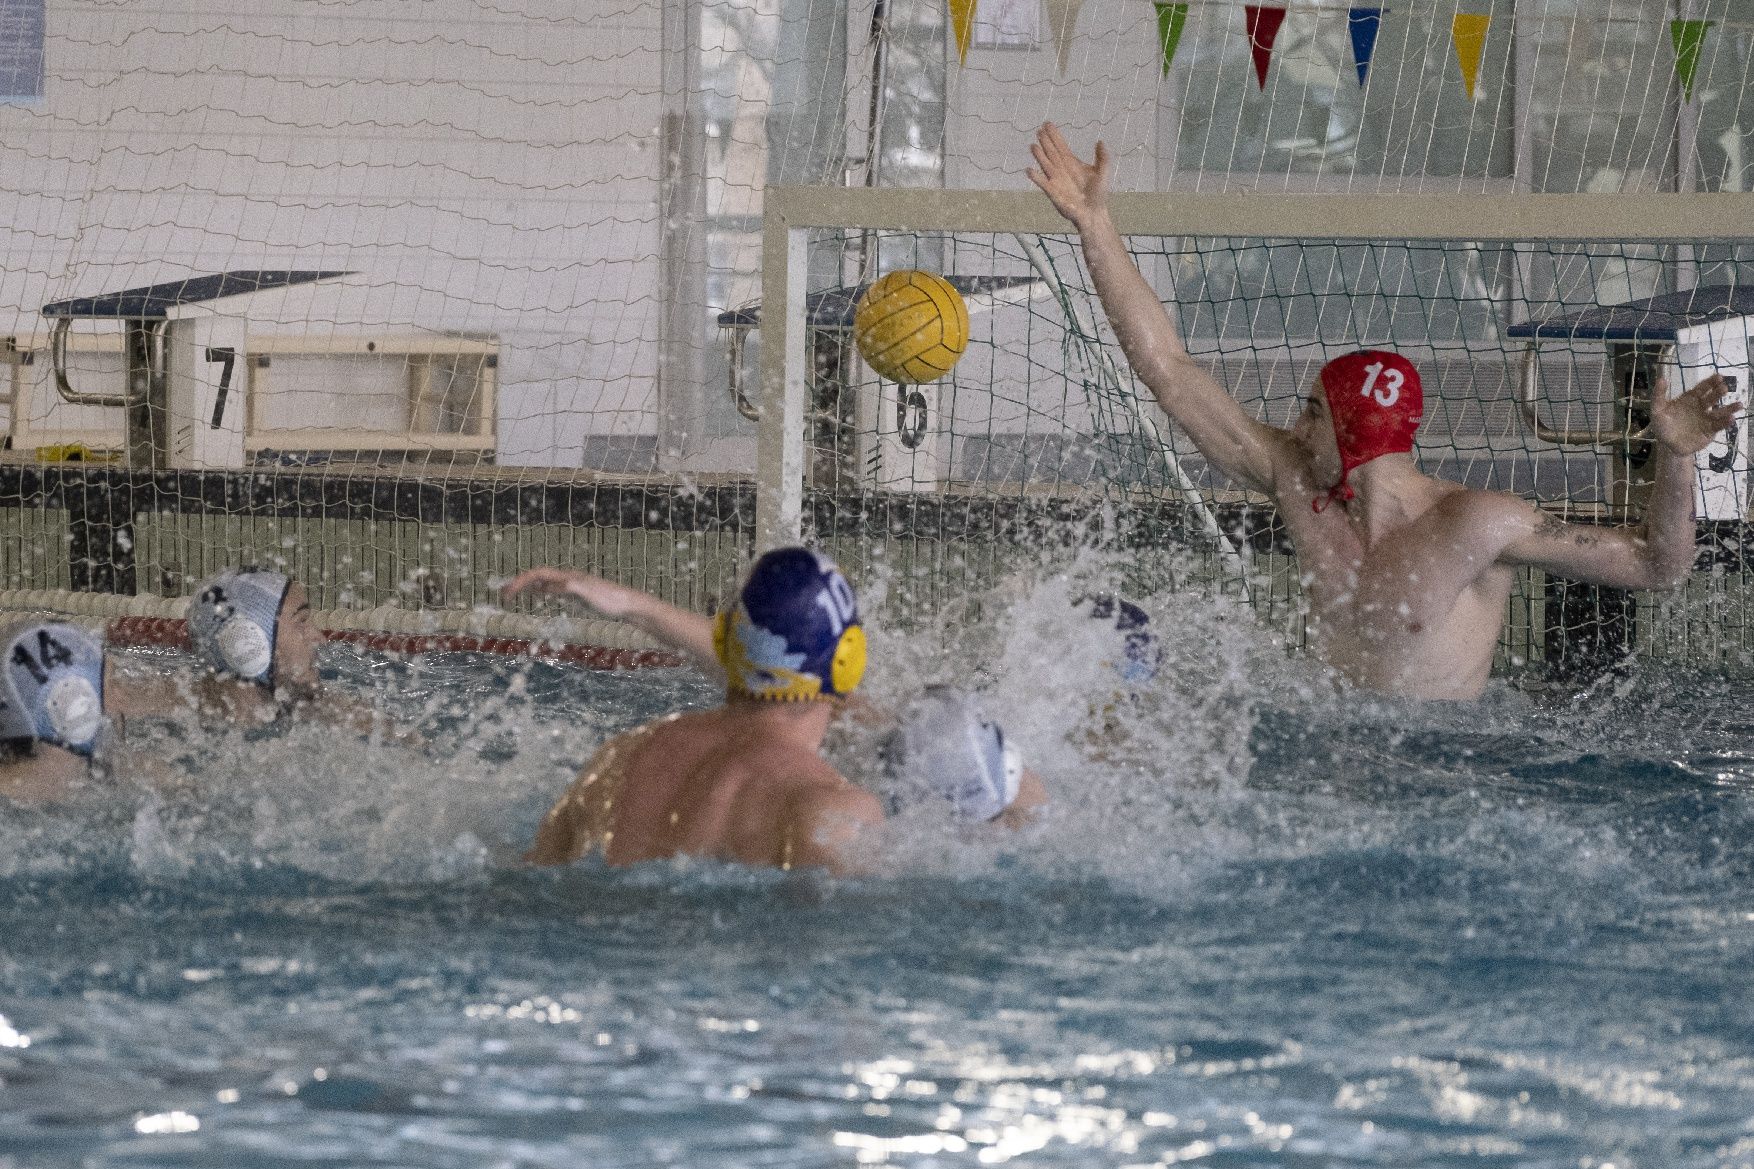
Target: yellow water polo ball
x=911 y=326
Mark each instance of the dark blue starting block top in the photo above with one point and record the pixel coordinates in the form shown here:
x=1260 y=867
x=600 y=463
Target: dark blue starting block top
x=1656 y=318
x=832 y=308
x=155 y=301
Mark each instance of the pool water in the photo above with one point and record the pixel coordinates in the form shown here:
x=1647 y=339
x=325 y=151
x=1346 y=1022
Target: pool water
x=1269 y=923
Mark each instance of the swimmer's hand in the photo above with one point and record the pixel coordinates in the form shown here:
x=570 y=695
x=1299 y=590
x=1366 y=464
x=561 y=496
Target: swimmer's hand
x=604 y=596
x=1078 y=190
x=1687 y=423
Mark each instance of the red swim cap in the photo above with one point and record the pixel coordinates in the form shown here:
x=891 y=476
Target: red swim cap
x=1376 y=403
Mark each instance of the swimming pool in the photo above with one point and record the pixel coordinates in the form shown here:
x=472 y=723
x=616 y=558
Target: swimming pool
x=1277 y=926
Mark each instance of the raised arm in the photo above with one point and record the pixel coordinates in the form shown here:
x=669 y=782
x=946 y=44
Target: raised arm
x=1657 y=553
x=1232 y=441
x=689 y=634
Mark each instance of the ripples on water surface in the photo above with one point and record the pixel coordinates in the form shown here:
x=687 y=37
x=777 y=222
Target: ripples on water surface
x=1270 y=927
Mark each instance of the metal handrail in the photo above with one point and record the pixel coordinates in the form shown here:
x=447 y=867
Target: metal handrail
x=58 y=360
x=1528 y=395
x=744 y=406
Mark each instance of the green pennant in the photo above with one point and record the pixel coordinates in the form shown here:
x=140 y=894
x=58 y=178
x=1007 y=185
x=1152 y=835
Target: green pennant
x=1689 y=38
x=1170 y=20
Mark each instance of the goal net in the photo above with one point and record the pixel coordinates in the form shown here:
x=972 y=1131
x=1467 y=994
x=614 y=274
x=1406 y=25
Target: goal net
x=1540 y=333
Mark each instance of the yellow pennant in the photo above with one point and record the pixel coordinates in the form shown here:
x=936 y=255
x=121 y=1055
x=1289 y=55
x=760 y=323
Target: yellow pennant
x=962 y=24
x=1469 y=32
x=1063 y=23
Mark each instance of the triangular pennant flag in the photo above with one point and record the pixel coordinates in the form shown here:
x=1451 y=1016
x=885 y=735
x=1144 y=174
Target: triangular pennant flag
x=962 y=24
x=1689 y=39
x=1364 y=22
x=1263 y=26
x=1063 y=22
x=1171 y=18
x=1469 y=31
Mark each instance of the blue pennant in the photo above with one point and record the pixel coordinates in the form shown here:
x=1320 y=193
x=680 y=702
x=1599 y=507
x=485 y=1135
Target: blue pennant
x=1364 y=23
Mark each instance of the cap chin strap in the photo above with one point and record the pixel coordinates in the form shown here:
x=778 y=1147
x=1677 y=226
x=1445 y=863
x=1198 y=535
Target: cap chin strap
x=1341 y=491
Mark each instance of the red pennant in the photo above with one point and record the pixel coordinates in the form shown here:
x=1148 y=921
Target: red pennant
x=1263 y=25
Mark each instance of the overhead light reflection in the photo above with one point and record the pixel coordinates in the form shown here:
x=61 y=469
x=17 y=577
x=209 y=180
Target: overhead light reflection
x=167 y=1122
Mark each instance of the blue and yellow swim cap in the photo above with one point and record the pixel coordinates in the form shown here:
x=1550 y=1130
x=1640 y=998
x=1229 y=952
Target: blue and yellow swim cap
x=793 y=634
x=51 y=685
x=233 y=617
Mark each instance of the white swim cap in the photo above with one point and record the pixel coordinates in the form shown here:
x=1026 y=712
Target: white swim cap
x=232 y=619
x=948 y=745
x=51 y=685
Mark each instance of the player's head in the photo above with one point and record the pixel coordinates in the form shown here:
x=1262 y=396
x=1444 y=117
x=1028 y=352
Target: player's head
x=51 y=686
x=1374 y=401
x=234 y=623
x=793 y=634
x=948 y=746
x=1135 y=655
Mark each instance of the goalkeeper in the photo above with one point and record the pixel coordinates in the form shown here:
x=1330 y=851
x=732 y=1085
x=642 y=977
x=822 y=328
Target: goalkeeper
x=1407 y=576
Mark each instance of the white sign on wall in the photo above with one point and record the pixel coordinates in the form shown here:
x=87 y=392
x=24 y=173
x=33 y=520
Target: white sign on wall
x=206 y=373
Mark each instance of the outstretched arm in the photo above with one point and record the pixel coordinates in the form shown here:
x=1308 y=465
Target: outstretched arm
x=689 y=634
x=1238 y=445
x=1657 y=553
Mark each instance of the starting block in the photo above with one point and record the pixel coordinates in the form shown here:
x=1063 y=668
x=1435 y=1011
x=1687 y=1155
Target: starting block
x=184 y=364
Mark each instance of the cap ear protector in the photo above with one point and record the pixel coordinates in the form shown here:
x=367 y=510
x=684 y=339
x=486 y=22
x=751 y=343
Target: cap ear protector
x=848 y=667
x=232 y=619
x=793 y=633
x=244 y=647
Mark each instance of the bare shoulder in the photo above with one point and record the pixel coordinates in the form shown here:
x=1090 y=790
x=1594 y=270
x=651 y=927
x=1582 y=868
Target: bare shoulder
x=842 y=800
x=585 y=811
x=1515 y=532
x=1289 y=469
x=1496 y=515
x=1477 y=503
x=823 y=818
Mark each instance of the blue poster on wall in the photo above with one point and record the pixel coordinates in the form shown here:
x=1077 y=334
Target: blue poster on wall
x=21 y=49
